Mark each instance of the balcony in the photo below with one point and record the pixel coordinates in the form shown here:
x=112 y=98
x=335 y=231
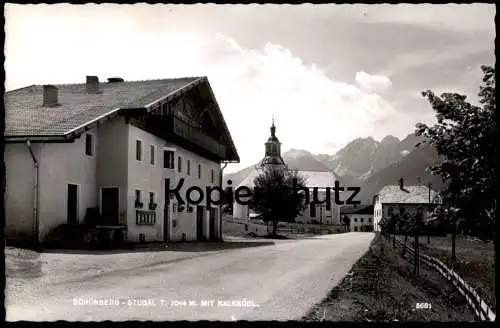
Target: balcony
x=176 y=130
x=143 y=217
x=195 y=136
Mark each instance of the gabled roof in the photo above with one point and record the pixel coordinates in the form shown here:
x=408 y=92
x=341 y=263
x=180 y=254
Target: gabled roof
x=25 y=115
x=320 y=179
x=248 y=181
x=357 y=209
x=313 y=179
x=419 y=194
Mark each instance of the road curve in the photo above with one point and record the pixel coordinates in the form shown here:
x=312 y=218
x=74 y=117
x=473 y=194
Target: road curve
x=277 y=282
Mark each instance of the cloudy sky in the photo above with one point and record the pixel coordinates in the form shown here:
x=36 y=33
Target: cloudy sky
x=329 y=73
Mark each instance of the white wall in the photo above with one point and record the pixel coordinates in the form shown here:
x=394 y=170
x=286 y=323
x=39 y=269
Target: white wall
x=382 y=211
x=356 y=223
x=62 y=164
x=112 y=166
x=141 y=175
x=148 y=178
x=377 y=215
x=19 y=199
x=326 y=217
x=322 y=214
x=185 y=222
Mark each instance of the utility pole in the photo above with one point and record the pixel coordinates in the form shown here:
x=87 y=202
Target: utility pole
x=428 y=212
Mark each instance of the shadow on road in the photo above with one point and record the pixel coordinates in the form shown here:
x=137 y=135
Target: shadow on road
x=169 y=247
x=217 y=246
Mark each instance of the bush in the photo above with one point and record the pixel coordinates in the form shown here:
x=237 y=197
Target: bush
x=91 y=217
x=118 y=237
x=66 y=236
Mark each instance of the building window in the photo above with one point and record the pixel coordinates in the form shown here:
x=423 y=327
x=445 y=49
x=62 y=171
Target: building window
x=179 y=164
x=89 y=144
x=138 y=150
x=152 y=154
x=355 y=228
x=138 y=197
x=361 y=220
x=212 y=176
x=188 y=167
x=199 y=171
x=168 y=159
x=355 y=219
x=152 y=205
x=369 y=219
x=312 y=210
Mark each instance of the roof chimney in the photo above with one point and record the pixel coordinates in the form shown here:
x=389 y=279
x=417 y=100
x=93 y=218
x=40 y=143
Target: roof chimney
x=92 y=84
x=50 y=96
x=401 y=184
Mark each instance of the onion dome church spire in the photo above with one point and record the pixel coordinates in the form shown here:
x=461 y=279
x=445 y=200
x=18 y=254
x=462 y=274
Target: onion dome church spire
x=273 y=149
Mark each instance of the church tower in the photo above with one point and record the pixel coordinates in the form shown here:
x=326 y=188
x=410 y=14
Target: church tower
x=273 y=150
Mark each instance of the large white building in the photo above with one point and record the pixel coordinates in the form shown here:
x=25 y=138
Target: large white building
x=318 y=179
x=114 y=149
x=400 y=200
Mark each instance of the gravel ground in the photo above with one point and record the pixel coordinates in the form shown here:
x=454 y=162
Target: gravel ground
x=284 y=279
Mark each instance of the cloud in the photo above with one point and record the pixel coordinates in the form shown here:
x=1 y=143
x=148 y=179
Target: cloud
x=370 y=82
x=312 y=111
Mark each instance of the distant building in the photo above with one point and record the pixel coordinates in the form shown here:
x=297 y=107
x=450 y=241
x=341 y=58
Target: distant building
x=319 y=179
x=360 y=217
x=401 y=199
x=111 y=149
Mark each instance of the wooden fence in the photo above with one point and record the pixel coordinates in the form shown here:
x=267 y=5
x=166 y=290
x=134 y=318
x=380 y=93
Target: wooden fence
x=478 y=305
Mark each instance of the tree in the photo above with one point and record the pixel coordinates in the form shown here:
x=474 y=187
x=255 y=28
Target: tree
x=405 y=228
x=393 y=222
x=466 y=138
x=416 y=226
x=274 y=195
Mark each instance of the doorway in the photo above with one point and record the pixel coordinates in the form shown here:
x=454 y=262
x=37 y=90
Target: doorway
x=110 y=206
x=213 y=218
x=199 y=222
x=72 y=205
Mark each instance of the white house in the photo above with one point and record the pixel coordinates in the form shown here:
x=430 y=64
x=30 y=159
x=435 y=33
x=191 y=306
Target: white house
x=400 y=199
x=313 y=179
x=113 y=148
x=360 y=217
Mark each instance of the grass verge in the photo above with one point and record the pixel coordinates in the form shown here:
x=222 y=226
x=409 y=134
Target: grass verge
x=475 y=262
x=382 y=287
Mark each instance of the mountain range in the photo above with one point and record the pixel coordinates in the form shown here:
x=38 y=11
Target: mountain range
x=366 y=163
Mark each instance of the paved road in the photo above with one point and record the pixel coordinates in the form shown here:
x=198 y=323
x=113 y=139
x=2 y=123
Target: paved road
x=282 y=281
